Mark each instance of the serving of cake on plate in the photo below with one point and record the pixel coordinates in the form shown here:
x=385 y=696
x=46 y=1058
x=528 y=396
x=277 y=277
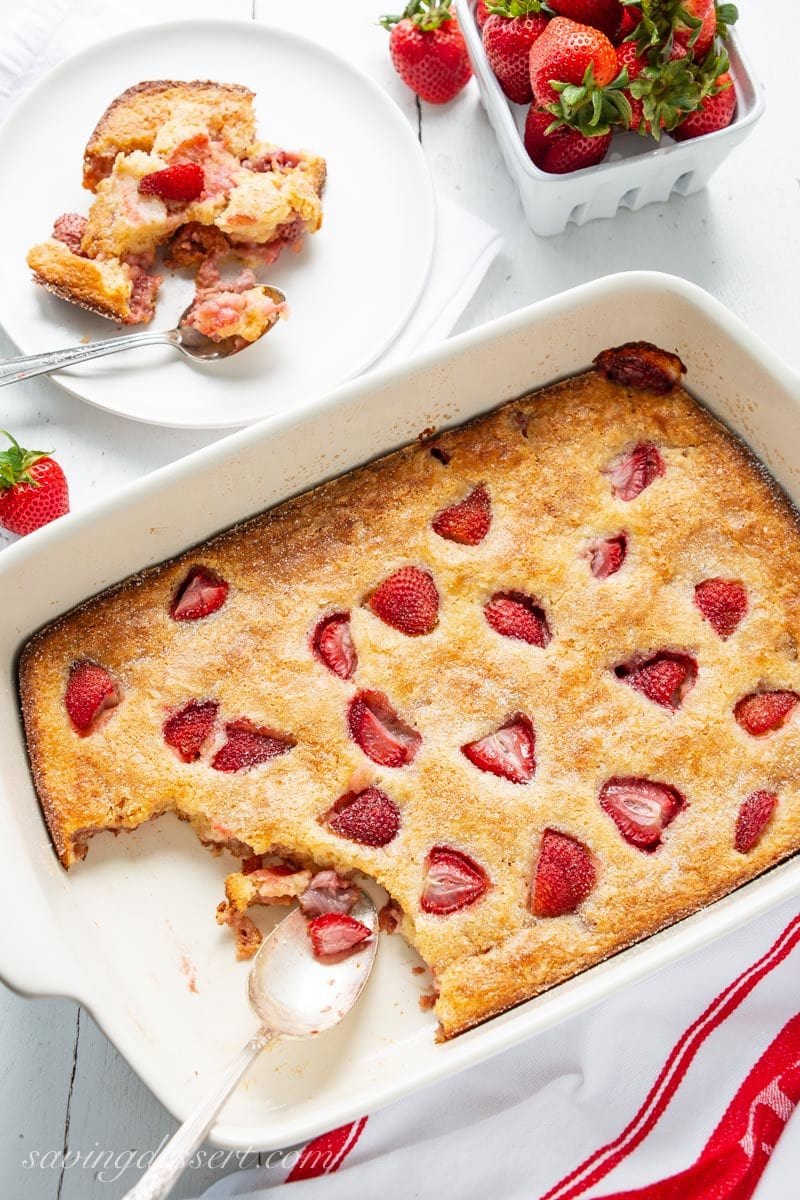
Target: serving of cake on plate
x=537 y=676
x=178 y=165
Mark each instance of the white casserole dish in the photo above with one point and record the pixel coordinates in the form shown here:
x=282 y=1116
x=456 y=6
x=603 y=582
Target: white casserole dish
x=637 y=171
x=127 y=931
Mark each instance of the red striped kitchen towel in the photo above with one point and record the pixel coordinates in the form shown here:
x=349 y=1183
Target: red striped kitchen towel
x=677 y=1088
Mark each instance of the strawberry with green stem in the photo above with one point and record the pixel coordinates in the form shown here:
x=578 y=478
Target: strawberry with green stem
x=33 y=488
x=508 y=34
x=689 y=23
x=428 y=50
x=575 y=77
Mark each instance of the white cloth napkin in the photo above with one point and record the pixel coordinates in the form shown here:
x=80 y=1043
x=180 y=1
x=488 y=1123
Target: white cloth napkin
x=36 y=36
x=677 y=1088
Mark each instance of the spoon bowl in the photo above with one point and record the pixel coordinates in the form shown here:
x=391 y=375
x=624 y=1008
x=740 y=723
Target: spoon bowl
x=296 y=995
x=194 y=344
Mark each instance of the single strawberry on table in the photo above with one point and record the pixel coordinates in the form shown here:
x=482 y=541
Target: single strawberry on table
x=33 y=488
x=428 y=50
x=508 y=34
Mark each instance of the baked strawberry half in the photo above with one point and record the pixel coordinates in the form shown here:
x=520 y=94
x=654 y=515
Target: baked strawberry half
x=755 y=814
x=332 y=643
x=508 y=752
x=634 y=470
x=407 y=600
x=181 y=182
x=329 y=892
x=764 y=712
x=248 y=745
x=370 y=817
x=188 y=730
x=380 y=732
x=606 y=555
x=91 y=691
x=516 y=615
x=641 y=809
x=565 y=875
x=641 y=365
x=336 y=933
x=666 y=678
x=452 y=881
x=202 y=593
x=466 y=522
x=723 y=603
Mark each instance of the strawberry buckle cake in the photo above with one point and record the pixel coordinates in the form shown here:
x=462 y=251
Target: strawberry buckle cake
x=537 y=676
x=177 y=165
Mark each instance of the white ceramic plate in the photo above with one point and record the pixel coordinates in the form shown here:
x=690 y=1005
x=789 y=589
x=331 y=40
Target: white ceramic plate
x=127 y=931
x=352 y=287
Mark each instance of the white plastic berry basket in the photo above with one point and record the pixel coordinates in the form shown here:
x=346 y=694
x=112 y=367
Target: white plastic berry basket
x=637 y=171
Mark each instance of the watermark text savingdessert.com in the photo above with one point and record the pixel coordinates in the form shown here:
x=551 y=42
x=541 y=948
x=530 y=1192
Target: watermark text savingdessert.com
x=108 y=1166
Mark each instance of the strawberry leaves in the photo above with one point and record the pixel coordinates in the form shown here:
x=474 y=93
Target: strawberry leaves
x=427 y=15
x=16 y=462
x=591 y=110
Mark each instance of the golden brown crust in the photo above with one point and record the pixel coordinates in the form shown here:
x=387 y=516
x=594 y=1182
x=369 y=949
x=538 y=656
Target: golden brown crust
x=100 y=287
x=132 y=121
x=542 y=460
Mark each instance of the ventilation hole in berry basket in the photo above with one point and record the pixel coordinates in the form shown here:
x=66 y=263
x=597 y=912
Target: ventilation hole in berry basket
x=684 y=184
x=631 y=199
x=579 y=214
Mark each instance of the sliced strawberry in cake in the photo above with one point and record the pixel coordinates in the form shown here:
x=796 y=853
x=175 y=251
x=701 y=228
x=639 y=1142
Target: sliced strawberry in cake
x=565 y=875
x=452 y=881
x=380 y=731
x=333 y=934
x=641 y=809
x=91 y=691
x=508 y=752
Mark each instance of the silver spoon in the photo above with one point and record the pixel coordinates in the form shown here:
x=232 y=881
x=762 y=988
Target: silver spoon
x=294 y=995
x=184 y=338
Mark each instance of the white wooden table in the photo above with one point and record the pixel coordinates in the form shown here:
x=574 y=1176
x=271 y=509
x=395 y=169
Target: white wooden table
x=62 y=1085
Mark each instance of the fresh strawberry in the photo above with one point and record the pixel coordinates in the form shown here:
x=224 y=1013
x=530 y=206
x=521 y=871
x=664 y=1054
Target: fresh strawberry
x=754 y=816
x=91 y=691
x=202 y=592
x=716 y=111
x=558 y=149
x=697 y=33
x=565 y=875
x=630 y=59
x=380 y=732
x=562 y=56
x=369 y=817
x=606 y=555
x=188 y=730
x=248 y=745
x=666 y=678
x=452 y=881
x=641 y=365
x=466 y=522
x=631 y=16
x=723 y=603
x=428 y=50
x=640 y=808
x=182 y=181
x=508 y=752
x=33 y=488
x=605 y=15
x=336 y=933
x=332 y=643
x=512 y=28
x=407 y=600
x=634 y=470
x=481 y=14
x=515 y=615
x=764 y=712
x=574 y=75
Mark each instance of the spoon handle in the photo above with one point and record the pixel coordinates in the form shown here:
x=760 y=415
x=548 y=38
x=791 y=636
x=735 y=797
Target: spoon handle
x=27 y=365
x=157 y=1181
